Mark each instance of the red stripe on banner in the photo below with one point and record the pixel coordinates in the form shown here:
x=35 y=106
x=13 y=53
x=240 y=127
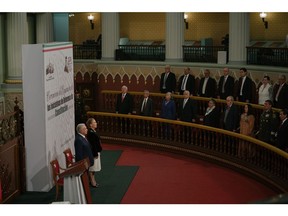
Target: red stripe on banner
x=60 y=48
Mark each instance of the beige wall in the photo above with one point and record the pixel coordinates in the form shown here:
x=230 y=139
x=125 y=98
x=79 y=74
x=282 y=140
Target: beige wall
x=151 y=26
x=277 y=27
x=80 y=28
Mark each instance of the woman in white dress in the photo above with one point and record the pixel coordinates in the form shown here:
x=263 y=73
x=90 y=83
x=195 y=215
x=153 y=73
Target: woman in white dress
x=265 y=90
x=95 y=142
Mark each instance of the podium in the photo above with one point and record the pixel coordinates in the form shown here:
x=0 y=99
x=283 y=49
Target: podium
x=76 y=183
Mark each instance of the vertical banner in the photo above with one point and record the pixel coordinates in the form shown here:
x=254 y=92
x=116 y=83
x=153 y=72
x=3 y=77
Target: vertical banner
x=48 y=95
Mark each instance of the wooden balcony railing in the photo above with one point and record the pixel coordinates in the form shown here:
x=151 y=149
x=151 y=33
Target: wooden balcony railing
x=267 y=56
x=87 y=51
x=109 y=101
x=246 y=154
x=207 y=54
x=141 y=52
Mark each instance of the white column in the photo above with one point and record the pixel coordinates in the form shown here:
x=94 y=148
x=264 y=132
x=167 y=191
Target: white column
x=174 y=36
x=17 y=34
x=44 y=28
x=239 y=36
x=110 y=35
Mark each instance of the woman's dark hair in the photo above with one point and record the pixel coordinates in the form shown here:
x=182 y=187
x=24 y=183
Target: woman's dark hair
x=250 y=109
x=89 y=121
x=267 y=77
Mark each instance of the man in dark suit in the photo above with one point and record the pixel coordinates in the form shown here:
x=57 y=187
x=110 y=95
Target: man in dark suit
x=146 y=108
x=280 y=93
x=282 y=133
x=225 y=85
x=244 y=91
x=82 y=146
x=207 y=86
x=187 y=109
x=124 y=105
x=187 y=82
x=231 y=115
x=168 y=81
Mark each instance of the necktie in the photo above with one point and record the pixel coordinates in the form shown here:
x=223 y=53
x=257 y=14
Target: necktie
x=243 y=80
x=204 y=85
x=224 y=81
x=226 y=113
x=164 y=81
x=123 y=96
x=184 y=83
x=143 y=105
x=184 y=102
x=278 y=92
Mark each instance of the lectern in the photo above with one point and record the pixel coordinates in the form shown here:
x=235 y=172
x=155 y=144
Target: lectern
x=76 y=183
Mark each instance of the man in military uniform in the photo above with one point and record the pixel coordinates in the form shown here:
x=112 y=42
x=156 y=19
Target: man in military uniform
x=268 y=124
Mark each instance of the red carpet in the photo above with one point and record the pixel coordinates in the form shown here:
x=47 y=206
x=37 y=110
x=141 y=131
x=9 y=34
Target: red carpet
x=165 y=178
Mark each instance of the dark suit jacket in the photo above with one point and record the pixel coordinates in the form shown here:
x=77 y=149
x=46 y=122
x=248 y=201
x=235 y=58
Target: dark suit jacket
x=125 y=106
x=168 y=111
x=95 y=142
x=282 y=98
x=212 y=119
x=190 y=84
x=228 y=87
x=210 y=90
x=232 y=120
x=148 y=109
x=282 y=136
x=189 y=112
x=170 y=83
x=246 y=91
x=83 y=149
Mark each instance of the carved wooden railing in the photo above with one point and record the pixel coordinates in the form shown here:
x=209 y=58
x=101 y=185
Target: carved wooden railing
x=109 y=101
x=12 y=160
x=246 y=154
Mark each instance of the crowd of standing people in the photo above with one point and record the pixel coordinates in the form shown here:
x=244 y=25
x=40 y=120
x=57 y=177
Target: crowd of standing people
x=232 y=119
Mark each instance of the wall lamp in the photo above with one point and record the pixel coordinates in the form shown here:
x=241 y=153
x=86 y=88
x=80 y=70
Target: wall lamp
x=91 y=18
x=185 y=20
x=263 y=15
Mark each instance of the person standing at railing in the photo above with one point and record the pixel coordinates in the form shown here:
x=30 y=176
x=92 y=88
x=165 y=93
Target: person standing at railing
x=231 y=115
x=146 y=108
x=280 y=93
x=268 y=124
x=225 y=85
x=282 y=133
x=168 y=111
x=167 y=81
x=187 y=82
x=124 y=105
x=207 y=86
x=265 y=91
x=247 y=121
x=211 y=116
x=187 y=108
x=244 y=91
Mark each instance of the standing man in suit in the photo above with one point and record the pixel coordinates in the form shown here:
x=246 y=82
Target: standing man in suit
x=146 y=108
x=187 y=82
x=83 y=148
x=207 y=86
x=282 y=133
x=225 y=85
x=280 y=93
x=124 y=105
x=124 y=102
x=231 y=115
x=187 y=109
x=168 y=81
x=244 y=91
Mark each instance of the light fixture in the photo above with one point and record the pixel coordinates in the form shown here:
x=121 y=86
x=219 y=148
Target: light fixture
x=71 y=15
x=263 y=15
x=185 y=20
x=91 y=18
